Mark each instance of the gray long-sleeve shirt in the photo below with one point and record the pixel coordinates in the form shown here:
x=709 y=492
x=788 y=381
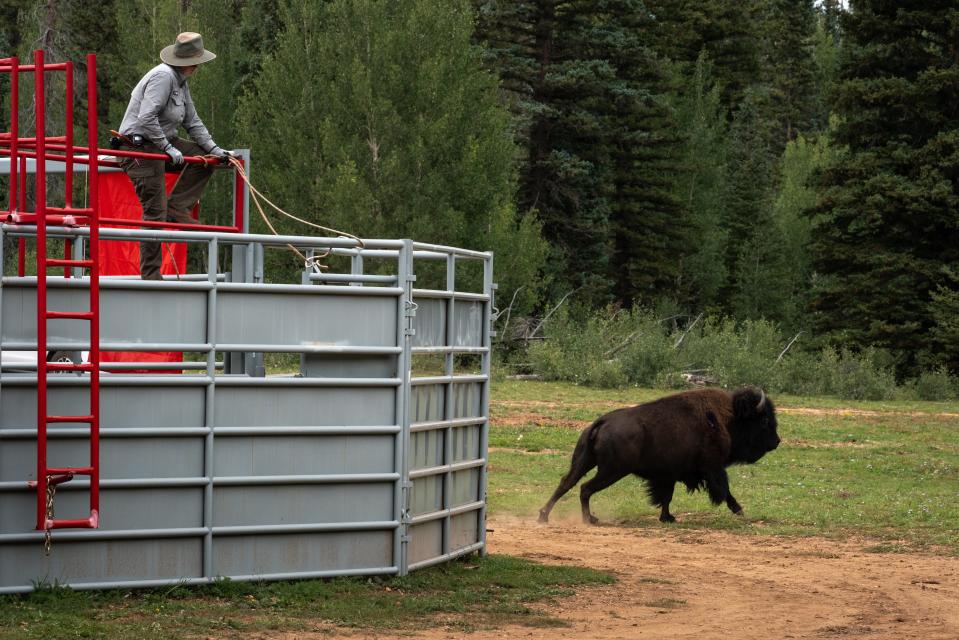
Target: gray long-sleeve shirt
x=159 y=104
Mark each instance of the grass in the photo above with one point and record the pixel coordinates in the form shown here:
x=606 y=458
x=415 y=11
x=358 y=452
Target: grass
x=884 y=473
x=887 y=471
x=466 y=595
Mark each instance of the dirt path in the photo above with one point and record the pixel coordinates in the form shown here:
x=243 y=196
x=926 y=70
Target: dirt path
x=512 y=412
x=711 y=585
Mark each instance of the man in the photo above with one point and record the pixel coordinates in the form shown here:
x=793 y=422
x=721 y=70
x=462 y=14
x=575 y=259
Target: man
x=159 y=105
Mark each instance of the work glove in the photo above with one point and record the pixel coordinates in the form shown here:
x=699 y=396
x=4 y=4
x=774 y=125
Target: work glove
x=175 y=156
x=222 y=154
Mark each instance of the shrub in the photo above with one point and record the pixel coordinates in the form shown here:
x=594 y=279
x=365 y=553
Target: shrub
x=936 y=385
x=612 y=348
x=858 y=376
x=735 y=354
x=581 y=351
x=649 y=357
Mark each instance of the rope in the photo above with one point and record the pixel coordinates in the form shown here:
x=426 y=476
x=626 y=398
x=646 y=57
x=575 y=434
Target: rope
x=47 y=536
x=256 y=195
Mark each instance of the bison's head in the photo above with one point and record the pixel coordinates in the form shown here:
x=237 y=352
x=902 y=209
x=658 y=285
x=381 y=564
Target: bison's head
x=753 y=427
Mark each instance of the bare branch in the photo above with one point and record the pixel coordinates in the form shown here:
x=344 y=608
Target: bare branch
x=688 y=329
x=788 y=345
x=621 y=346
x=509 y=311
x=552 y=311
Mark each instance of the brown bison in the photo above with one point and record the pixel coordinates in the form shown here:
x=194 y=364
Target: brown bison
x=690 y=437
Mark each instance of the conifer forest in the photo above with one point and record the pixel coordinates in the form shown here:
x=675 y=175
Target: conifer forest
x=761 y=191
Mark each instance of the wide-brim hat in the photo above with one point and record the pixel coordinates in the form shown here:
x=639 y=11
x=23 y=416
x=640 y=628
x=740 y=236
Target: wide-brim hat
x=186 y=51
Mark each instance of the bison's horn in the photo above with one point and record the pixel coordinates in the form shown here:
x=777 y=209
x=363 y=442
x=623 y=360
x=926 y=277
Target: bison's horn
x=762 y=401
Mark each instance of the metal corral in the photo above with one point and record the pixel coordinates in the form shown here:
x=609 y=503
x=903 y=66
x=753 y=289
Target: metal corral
x=354 y=466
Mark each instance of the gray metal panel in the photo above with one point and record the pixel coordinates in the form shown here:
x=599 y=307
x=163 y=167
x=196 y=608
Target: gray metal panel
x=302 y=504
x=467 y=400
x=426 y=495
x=295 y=553
x=126 y=315
x=101 y=561
x=426 y=541
x=119 y=457
x=289 y=318
x=122 y=509
x=427 y=403
x=464 y=530
x=429 y=322
x=348 y=366
x=120 y=407
x=466 y=443
x=465 y=487
x=302 y=455
x=304 y=406
x=468 y=324
x=426 y=449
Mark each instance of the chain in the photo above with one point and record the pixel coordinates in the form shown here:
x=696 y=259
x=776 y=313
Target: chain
x=47 y=535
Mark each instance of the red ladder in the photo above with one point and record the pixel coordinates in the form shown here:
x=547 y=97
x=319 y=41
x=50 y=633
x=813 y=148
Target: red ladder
x=49 y=477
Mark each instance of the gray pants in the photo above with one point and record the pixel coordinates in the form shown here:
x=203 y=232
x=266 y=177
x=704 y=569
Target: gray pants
x=148 y=177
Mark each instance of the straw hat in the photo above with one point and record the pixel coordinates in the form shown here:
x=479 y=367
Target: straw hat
x=186 y=51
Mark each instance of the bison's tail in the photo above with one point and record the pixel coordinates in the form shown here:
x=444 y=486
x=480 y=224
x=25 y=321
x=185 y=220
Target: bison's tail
x=584 y=455
x=584 y=459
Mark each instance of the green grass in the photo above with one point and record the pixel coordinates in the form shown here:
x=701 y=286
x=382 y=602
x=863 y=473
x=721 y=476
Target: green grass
x=888 y=477
x=891 y=475
x=478 y=593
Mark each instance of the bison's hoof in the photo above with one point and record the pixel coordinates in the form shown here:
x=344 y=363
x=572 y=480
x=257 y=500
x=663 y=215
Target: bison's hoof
x=591 y=519
x=739 y=513
x=668 y=519
x=543 y=517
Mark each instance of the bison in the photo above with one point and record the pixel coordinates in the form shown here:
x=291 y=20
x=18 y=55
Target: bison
x=689 y=437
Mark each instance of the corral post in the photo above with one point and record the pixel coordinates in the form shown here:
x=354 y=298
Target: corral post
x=489 y=289
x=406 y=310
x=449 y=403
x=209 y=411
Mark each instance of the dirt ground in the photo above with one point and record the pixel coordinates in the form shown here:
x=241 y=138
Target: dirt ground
x=705 y=585
x=692 y=584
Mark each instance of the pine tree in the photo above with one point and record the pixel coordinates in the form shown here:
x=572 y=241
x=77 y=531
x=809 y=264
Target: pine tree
x=801 y=161
x=650 y=233
x=566 y=177
x=945 y=314
x=378 y=119
x=825 y=53
x=747 y=206
x=886 y=221
x=725 y=30
x=589 y=102
x=789 y=67
x=700 y=185
x=66 y=30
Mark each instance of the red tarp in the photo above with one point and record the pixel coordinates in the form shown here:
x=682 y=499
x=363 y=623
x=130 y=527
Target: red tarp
x=117 y=199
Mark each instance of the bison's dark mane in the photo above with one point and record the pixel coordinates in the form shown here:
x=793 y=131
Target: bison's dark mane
x=749 y=426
